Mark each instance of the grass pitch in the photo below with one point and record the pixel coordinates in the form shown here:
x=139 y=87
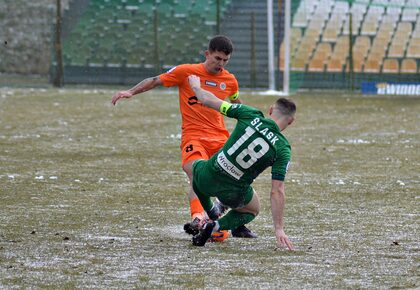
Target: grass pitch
x=93 y=196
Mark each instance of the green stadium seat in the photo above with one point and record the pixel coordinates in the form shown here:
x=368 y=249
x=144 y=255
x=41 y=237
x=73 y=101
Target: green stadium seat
x=118 y=32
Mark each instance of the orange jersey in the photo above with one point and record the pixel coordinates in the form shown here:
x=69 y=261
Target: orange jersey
x=197 y=120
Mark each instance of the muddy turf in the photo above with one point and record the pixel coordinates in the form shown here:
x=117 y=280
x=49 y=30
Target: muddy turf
x=93 y=196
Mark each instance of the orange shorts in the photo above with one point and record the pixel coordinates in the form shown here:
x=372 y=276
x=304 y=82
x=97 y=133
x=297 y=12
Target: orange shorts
x=200 y=148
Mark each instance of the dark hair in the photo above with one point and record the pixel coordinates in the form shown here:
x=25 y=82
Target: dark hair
x=285 y=106
x=221 y=43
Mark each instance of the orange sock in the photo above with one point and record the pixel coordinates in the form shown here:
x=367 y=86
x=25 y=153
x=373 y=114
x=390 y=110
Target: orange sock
x=196 y=208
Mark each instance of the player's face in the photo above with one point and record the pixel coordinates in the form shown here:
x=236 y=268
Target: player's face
x=285 y=121
x=216 y=61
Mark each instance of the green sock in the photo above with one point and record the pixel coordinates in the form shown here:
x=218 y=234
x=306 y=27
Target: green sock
x=234 y=219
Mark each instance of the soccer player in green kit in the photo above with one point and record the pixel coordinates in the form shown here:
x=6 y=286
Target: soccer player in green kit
x=255 y=144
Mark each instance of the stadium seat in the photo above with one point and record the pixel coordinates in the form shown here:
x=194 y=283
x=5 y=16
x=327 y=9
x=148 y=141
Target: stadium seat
x=341 y=50
x=410 y=14
x=373 y=16
x=312 y=33
x=166 y=9
x=413 y=51
x=360 y=51
x=372 y=66
x=130 y=24
x=323 y=50
x=330 y=34
x=300 y=20
x=377 y=55
x=358 y=63
x=303 y=13
x=295 y=33
x=369 y=27
x=386 y=27
x=415 y=41
x=357 y=10
x=305 y=49
x=298 y=64
x=396 y=50
x=390 y=66
x=405 y=27
x=335 y=65
x=381 y=42
x=384 y=36
x=316 y=65
x=394 y=12
x=408 y=65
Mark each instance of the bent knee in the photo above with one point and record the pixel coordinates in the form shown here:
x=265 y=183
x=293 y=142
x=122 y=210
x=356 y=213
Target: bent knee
x=187 y=167
x=256 y=212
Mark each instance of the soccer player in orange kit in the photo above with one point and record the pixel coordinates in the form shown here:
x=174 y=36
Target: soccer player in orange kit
x=203 y=129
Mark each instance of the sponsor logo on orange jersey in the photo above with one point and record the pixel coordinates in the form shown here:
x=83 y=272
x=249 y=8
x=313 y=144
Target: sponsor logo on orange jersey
x=211 y=83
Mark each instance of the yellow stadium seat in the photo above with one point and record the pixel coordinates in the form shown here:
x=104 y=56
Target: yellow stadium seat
x=376 y=55
x=409 y=65
x=330 y=34
x=296 y=32
x=390 y=66
x=396 y=50
x=413 y=51
x=405 y=27
x=380 y=43
x=362 y=41
x=298 y=64
x=316 y=65
x=335 y=65
x=372 y=66
x=369 y=28
x=358 y=64
x=312 y=33
x=323 y=51
x=415 y=41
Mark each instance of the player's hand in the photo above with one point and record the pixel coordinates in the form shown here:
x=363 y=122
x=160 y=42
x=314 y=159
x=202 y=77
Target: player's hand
x=120 y=95
x=194 y=82
x=283 y=240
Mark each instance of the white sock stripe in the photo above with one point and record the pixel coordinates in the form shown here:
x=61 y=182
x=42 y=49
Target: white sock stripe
x=216 y=227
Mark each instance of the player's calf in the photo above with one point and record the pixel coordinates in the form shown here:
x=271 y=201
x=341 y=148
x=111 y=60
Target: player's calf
x=217 y=210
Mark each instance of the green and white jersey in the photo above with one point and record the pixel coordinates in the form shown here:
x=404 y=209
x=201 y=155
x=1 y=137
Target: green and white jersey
x=255 y=144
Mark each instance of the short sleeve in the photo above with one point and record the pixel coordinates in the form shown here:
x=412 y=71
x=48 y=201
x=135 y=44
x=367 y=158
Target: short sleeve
x=174 y=77
x=281 y=165
x=235 y=90
x=241 y=111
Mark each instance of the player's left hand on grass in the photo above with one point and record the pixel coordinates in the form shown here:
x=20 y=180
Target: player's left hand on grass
x=283 y=240
x=119 y=95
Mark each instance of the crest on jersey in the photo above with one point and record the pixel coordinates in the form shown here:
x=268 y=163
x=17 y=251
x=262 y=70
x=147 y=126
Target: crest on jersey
x=222 y=86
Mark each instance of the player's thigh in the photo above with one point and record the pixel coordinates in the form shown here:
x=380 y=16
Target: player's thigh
x=251 y=207
x=191 y=151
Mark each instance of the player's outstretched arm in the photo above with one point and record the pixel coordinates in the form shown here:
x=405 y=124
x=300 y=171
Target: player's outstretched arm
x=207 y=98
x=143 y=86
x=277 y=199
